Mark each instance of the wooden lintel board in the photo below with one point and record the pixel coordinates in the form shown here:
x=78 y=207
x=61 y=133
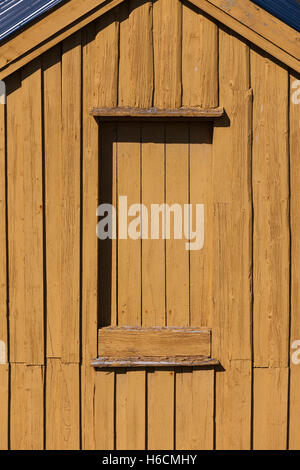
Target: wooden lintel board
x=150 y=113
x=125 y=342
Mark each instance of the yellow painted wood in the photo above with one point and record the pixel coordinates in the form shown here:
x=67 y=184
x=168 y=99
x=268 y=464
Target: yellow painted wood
x=199 y=59
x=233 y=406
x=33 y=211
x=3 y=228
x=195 y=410
x=271 y=207
x=294 y=139
x=104 y=405
x=167 y=18
x=161 y=410
x=270 y=398
x=53 y=197
x=232 y=252
x=130 y=342
x=62 y=406
x=27 y=407
x=15 y=200
x=70 y=242
x=4 y=400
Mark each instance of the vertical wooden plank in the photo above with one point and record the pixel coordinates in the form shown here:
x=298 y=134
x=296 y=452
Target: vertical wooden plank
x=153 y=251
x=53 y=197
x=4 y=400
x=233 y=406
x=27 y=407
x=33 y=211
x=104 y=404
x=62 y=406
x=4 y=370
x=70 y=243
x=100 y=80
x=199 y=59
x=271 y=206
x=161 y=410
x=270 y=408
x=136 y=55
x=201 y=261
x=177 y=195
x=15 y=201
x=232 y=247
x=294 y=412
x=167 y=36
x=194 y=410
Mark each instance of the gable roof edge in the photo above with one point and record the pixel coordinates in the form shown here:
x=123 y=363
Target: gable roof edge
x=74 y=15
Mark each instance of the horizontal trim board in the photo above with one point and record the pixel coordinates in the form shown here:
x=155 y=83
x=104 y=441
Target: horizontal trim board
x=135 y=362
x=150 y=113
x=127 y=342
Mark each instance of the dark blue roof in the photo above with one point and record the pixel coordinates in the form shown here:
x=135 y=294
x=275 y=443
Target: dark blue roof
x=287 y=11
x=16 y=13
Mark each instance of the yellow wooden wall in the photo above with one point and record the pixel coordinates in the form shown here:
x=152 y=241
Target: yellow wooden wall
x=244 y=283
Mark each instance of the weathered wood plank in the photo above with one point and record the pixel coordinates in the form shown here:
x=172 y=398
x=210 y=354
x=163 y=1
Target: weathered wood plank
x=270 y=398
x=3 y=231
x=53 y=197
x=70 y=243
x=129 y=342
x=4 y=409
x=201 y=260
x=15 y=202
x=149 y=113
x=177 y=195
x=199 y=59
x=233 y=406
x=104 y=409
x=130 y=410
x=161 y=410
x=294 y=399
x=27 y=407
x=195 y=410
x=136 y=55
x=153 y=361
x=167 y=19
x=62 y=406
x=232 y=231
x=271 y=237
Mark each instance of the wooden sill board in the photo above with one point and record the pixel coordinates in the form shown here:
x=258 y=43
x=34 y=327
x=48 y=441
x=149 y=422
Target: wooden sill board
x=151 y=113
x=135 y=362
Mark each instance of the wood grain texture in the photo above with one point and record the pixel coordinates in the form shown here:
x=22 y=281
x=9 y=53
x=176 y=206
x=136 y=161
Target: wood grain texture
x=270 y=408
x=271 y=206
x=104 y=410
x=27 y=407
x=161 y=410
x=15 y=201
x=233 y=406
x=136 y=55
x=71 y=148
x=199 y=59
x=136 y=362
x=244 y=30
x=195 y=410
x=167 y=34
x=232 y=247
x=62 y=406
x=294 y=399
x=3 y=229
x=128 y=342
x=33 y=212
x=149 y=113
x=53 y=197
x=4 y=409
